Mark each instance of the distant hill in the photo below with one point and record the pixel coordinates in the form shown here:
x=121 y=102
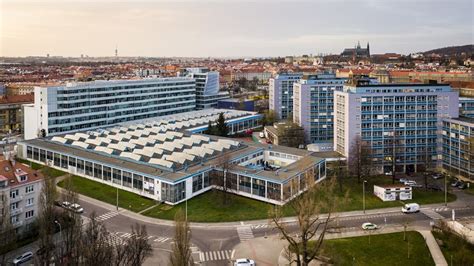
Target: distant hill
x=453 y=50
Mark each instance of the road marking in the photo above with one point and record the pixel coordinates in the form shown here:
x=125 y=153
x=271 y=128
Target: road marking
x=245 y=233
x=216 y=255
x=106 y=216
x=161 y=239
x=432 y=214
x=260 y=226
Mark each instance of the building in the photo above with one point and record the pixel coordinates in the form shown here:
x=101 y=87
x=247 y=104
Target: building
x=207 y=87
x=20 y=187
x=441 y=76
x=400 y=121
x=280 y=92
x=172 y=166
x=11 y=113
x=89 y=105
x=313 y=106
x=285 y=134
x=252 y=73
x=357 y=52
x=236 y=104
x=458 y=147
x=393 y=192
x=466 y=106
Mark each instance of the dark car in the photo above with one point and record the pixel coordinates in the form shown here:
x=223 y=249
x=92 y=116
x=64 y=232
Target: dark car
x=462 y=185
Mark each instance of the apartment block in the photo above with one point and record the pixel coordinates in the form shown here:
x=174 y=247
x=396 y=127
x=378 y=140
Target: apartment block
x=400 y=122
x=466 y=106
x=20 y=188
x=281 y=94
x=90 y=105
x=458 y=147
x=313 y=106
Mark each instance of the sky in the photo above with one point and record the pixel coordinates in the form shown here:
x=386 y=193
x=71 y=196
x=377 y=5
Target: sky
x=230 y=28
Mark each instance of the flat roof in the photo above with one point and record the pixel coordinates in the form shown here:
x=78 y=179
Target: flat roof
x=464 y=119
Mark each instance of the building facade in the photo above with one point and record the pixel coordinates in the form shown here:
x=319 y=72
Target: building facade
x=280 y=92
x=400 y=122
x=207 y=87
x=313 y=106
x=97 y=104
x=466 y=107
x=458 y=147
x=11 y=113
x=20 y=188
x=171 y=166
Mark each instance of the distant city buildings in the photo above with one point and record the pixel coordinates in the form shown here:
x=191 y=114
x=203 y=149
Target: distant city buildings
x=313 y=107
x=84 y=106
x=20 y=187
x=400 y=123
x=280 y=92
x=207 y=87
x=466 y=106
x=458 y=147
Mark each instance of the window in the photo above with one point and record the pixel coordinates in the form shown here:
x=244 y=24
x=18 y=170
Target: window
x=30 y=201
x=14 y=206
x=197 y=183
x=29 y=214
x=14 y=193
x=29 y=189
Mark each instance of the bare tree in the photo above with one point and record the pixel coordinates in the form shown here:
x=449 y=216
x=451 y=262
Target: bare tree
x=338 y=172
x=96 y=248
x=221 y=177
x=7 y=232
x=181 y=255
x=46 y=220
x=311 y=224
x=360 y=161
x=137 y=246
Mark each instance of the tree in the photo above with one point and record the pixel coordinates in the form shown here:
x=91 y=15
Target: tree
x=290 y=134
x=96 y=247
x=222 y=178
x=137 y=246
x=339 y=171
x=181 y=250
x=360 y=161
x=46 y=220
x=210 y=129
x=221 y=126
x=311 y=225
x=269 y=117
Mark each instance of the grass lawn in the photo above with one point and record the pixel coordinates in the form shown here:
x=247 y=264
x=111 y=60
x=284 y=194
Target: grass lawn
x=105 y=193
x=386 y=249
x=209 y=207
x=455 y=247
x=34 y=166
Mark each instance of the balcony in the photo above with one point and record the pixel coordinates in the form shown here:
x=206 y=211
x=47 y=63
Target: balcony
x=17 y=224
x=16 y=199
x=16 y=211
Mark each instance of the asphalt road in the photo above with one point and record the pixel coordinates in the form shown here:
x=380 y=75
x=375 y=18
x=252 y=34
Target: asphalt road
x=215 y=244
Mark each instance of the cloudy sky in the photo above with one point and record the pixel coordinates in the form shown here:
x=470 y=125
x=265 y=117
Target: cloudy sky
x=230 y=27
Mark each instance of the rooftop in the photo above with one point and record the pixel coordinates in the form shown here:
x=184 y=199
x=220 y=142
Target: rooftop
x=9 y=170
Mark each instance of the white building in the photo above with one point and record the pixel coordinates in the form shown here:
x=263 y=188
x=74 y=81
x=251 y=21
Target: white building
x=20 y=188
x=393 y=192
x=84 y=106
x=207 y=87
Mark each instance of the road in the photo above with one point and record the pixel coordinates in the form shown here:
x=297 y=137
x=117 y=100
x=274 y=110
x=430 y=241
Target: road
x=214 y=244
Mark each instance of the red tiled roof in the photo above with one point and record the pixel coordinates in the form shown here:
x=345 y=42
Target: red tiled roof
x=7 y=170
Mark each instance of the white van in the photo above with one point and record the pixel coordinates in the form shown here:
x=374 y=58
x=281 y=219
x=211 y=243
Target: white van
x=411 y=208
x=262 y=135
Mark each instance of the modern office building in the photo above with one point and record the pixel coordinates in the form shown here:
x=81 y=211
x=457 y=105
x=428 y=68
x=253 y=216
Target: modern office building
x=458 y=147
x=20 y=187
x=85 y=106
x=400 y=122
x=171 y=166
x=280 y=92
x=207 y=87
x=466 y=106
x=313 y=107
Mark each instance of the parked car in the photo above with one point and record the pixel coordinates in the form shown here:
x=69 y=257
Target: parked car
x=261 y=135
x=456 y=183
x=403 y=180
x=23 y=258
x=437 y=175
x=388 y=173
x=369 y=226
x=462 y=185
x=72 y=207
x=244 y=262
x=411 y=208
x=410 y=183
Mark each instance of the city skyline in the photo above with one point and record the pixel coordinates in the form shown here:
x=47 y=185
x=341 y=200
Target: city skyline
x=229 y=29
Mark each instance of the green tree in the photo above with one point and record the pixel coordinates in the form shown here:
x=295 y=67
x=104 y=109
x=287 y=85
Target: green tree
x=269 y=118
x=221 y=126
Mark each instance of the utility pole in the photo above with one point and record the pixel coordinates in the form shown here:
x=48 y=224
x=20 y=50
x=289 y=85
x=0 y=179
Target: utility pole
x=363 y=195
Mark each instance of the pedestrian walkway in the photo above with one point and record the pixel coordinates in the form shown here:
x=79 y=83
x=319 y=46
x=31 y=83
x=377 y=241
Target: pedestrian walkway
x=245 y=233
x=107 y=216
x=432 y=214
x=260 y=226
x=161 y=239
x=216 y=255
x=436 y=253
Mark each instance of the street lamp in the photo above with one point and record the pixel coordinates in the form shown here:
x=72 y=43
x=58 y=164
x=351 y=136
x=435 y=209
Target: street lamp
x=60 y=231
x=445 y=190
x=363 y=195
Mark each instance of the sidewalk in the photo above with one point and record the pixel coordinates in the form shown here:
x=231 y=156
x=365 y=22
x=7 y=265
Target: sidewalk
x=435 y=251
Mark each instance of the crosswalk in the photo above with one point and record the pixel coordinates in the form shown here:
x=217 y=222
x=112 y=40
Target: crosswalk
x=365 y=217
x=155 y=239
x=441 y=209
x=161 y=239
x=432 y=214
x=216 y=255
x=245 y=233
x=106 y=216
x=260 y=226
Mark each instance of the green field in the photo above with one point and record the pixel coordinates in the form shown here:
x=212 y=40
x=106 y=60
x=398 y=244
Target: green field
x=385 y=249
x=106 y=193
x=455 y=248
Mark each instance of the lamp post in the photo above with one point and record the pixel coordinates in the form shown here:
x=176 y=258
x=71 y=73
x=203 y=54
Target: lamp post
x=363 y=195
x=60 y=229
x=445 y=191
